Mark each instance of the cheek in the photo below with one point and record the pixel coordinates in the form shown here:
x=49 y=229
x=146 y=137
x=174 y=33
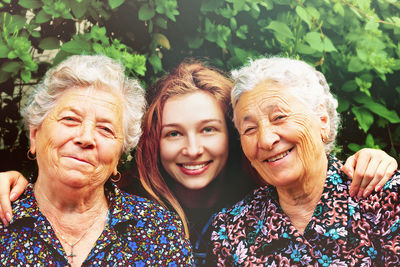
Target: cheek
x=306 y=134
x=168 y=151
x=249 y=146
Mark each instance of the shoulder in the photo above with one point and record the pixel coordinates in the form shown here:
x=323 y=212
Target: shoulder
x=142 y=209
x=387 y=197
x=251 y=205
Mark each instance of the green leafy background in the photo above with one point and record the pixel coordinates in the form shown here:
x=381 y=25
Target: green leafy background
x=355 y=43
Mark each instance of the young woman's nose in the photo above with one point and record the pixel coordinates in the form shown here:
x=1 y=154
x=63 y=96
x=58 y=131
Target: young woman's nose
x=193 y=147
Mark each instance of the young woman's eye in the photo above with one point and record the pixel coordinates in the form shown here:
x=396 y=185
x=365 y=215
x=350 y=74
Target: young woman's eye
x=209 y=129
x=173 y=134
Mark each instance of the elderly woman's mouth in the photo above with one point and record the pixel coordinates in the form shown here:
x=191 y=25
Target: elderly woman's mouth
x=80 y=160
x=279 y=156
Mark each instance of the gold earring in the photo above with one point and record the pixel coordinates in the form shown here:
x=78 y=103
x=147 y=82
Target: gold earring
x=30 y=156
x=116 y=178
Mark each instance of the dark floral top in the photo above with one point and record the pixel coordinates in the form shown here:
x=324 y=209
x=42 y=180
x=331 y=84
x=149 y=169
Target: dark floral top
x=341 y=232
x=138 y=233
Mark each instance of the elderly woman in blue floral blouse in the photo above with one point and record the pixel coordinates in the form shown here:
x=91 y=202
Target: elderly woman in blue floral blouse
x=287 y=121
x=81 y=118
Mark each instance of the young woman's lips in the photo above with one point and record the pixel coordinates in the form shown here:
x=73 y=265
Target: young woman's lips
x=194 y=169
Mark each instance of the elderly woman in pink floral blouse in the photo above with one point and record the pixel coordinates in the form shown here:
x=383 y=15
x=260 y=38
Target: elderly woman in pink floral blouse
x=287 y=121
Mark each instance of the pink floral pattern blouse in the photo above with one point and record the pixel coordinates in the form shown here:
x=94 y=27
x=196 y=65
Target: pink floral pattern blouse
x=343 y=231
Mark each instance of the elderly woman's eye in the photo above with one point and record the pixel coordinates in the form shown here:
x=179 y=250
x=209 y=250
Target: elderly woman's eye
x=249 y=130
x=107 y=130
x=69 y=119
x=279 y=117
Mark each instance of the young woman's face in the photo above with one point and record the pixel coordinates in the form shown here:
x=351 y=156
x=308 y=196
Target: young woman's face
x=194 y=139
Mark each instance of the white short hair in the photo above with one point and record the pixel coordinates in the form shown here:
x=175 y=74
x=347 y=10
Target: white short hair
x=90 y=71
x=310 y=86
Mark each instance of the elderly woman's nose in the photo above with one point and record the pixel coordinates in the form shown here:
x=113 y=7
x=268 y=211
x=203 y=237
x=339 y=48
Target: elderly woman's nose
x=193 y=147
x=267 y=137
x=85 y=135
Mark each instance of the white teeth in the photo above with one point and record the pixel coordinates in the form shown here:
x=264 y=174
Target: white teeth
x=278 y=157
x=194 y=167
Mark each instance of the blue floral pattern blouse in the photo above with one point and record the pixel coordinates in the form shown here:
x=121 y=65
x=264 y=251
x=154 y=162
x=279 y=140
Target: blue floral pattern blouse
x=342 y=231
x=138 y=233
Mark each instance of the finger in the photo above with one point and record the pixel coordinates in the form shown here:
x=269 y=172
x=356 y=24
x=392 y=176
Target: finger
x=368 y=177
x=18 y=188
x=348 y=169
x=391 y=168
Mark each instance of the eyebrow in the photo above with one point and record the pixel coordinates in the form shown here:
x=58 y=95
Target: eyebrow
x=79 y=113
x=201 y=122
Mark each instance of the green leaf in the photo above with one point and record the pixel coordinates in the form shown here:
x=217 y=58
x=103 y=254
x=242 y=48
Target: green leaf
x=349 y=86
x=42 y=17
x=382 y=111
x=344 y=105
x=338 y=8
x=4 y=51
x=11 y=66
x=364 y=117
x=305 y=49
x=302 y=13
x=155 y=61
x=280 y=29
x=369 y=141
x=79 y=8
x=354 y=147
x=49 y=43
x=14 y=22
x=115 y=3
x=26 y=75
x=146 y=12
x=30 y=4
x=161 y=22
x=162 y=40
x=242 y=31
x=329 y=47
x=194 y=42
x=315 y=41
x=76 y=47
x=210 y=5
x=355 y=65
x=4 y=76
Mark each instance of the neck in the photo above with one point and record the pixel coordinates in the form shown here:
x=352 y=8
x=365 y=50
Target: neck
x=68 y=208
x=299 y=201
x=77 y=216
x=198 y=198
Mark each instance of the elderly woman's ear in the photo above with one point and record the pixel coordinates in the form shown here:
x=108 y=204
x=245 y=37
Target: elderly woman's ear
x=32 y=137
x=325 y=126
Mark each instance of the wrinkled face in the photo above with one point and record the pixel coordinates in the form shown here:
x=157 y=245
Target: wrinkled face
x=279 y=134
x=80 y=141
x=194 y=139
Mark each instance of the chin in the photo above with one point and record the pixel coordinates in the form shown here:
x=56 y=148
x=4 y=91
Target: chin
x=197 y=185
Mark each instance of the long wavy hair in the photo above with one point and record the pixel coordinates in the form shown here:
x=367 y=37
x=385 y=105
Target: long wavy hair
x=186 y=78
